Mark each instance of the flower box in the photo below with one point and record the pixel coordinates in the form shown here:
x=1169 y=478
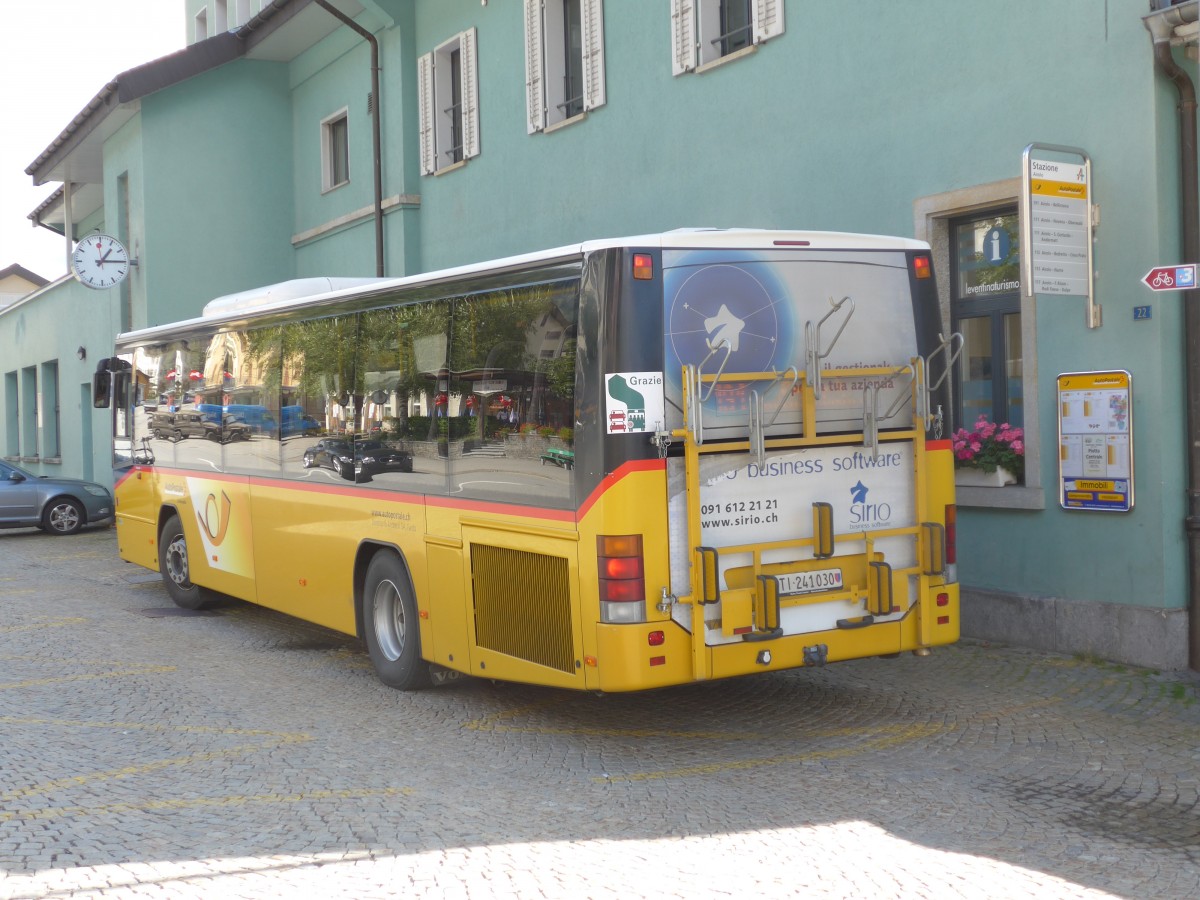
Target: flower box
x=988 y=446
x=980 y=478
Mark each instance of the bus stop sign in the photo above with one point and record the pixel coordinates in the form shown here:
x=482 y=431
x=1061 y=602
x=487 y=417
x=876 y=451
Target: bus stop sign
x=1171 y=278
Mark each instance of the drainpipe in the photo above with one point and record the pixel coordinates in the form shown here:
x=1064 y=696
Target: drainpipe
x=1161 y=27
x=376 y=140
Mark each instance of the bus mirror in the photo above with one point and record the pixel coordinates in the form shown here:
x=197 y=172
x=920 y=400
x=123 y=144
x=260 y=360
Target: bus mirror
x=101 y=382
x=121 y=389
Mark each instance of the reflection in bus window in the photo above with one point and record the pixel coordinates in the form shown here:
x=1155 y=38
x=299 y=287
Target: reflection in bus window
x=246 y=365
x=506 y=408
x=318 y=376
x=397 y=442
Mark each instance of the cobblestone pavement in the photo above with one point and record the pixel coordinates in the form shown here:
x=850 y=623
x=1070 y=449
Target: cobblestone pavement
x=245 y=754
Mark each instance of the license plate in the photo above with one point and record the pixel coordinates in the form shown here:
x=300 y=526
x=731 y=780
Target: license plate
x=810 y=582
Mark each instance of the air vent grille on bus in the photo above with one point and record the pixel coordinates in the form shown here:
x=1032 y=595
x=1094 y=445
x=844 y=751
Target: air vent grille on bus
x=523 y=605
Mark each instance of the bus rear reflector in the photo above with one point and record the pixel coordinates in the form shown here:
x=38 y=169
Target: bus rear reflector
x=621 y=567
x=922 y=268
x=951 y=543
x=643 y=266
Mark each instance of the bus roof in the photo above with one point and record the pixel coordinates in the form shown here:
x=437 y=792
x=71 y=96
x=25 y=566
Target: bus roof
x=316 y=291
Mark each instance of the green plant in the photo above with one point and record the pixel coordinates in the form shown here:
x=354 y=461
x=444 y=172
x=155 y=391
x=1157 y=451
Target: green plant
x=566 y=435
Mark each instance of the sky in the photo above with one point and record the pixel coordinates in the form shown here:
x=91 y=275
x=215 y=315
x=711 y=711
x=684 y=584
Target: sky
x=55 y=56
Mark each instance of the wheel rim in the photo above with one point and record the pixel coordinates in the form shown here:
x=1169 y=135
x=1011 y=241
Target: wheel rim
x=64 y=517
x=389 y=620
x=176 y=561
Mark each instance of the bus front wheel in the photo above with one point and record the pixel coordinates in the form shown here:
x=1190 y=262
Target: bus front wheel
x=390 y=624
x=173 y=565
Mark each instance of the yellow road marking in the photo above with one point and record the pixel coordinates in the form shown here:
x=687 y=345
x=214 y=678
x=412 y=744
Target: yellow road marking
x=65 y=679
x=195 y=802
x=284 y=736
x=52 y=623
x=94 y=777
x=898 y=734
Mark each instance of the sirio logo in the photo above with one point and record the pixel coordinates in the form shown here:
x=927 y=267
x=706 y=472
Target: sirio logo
x=864 y=514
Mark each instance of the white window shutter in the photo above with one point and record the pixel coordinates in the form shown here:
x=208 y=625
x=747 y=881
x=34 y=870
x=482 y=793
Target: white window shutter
x=593 y=53
x=767 y=19
x=535 y=94
x=470 y=94
x=425 y=114
x=683 y=36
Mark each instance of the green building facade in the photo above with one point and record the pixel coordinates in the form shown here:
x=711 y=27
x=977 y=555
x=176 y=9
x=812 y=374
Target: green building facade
x=250 y=158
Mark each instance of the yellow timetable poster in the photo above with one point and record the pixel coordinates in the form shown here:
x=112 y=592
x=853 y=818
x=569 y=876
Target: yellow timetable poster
x=1095 y=441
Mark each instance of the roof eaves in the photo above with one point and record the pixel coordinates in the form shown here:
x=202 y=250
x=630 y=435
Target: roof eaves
x=22 y=272
x=134 y=84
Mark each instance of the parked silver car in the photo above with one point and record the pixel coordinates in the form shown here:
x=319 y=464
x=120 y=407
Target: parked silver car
x=55 y=505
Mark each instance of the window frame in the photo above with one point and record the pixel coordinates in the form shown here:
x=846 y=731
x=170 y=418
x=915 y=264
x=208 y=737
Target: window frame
x=696 y=30
x=200 y=25
x=330 y=141
x=931 y=217
x=995 y=309
x=547 y=66
x=437 y=134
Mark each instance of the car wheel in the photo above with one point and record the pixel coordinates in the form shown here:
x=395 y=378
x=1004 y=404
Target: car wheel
x=177 y=435
x=62 y=516
x=306 y=462
x=173 y=566
x=390 y=622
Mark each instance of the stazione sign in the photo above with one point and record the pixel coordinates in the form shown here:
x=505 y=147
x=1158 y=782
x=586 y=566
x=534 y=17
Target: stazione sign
x=1056 y=224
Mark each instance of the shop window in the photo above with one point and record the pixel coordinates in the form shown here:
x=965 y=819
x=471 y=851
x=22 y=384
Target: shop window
x=985 y=304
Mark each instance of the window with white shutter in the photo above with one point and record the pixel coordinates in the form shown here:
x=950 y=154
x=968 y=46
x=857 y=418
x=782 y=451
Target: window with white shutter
x=706 y=31
x=448 y=104
x=564 y=60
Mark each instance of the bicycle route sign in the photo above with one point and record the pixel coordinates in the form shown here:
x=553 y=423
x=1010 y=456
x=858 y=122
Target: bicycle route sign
x=1171 y=278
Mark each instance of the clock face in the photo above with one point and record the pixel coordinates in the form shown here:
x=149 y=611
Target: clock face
x=100 y=261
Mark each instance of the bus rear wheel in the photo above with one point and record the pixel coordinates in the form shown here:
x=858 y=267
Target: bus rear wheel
x=390 y=623
x=173 y=566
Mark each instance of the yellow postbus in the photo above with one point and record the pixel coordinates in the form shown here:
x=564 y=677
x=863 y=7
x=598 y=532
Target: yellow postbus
x=611 y=466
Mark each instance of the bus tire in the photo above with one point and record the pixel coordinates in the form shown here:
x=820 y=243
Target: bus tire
x=173 y=566
x=389 y=614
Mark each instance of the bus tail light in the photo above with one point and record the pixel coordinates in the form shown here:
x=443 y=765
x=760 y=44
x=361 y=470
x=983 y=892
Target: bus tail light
x=643 y=266
x=922 y=267
x=621 y=566
x=951 y=543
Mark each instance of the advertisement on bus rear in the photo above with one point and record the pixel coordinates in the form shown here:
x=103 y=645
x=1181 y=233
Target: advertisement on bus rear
x=740 y=311
x=742 y=502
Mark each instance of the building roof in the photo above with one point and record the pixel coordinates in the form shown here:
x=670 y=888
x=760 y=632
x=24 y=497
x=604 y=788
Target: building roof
x=280 y=31
x=20 y=271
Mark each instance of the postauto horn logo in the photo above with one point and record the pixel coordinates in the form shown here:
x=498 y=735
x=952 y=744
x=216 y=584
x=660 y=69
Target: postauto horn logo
x=865 y=514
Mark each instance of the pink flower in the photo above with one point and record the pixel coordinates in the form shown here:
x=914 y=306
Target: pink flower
x=1018 y=447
